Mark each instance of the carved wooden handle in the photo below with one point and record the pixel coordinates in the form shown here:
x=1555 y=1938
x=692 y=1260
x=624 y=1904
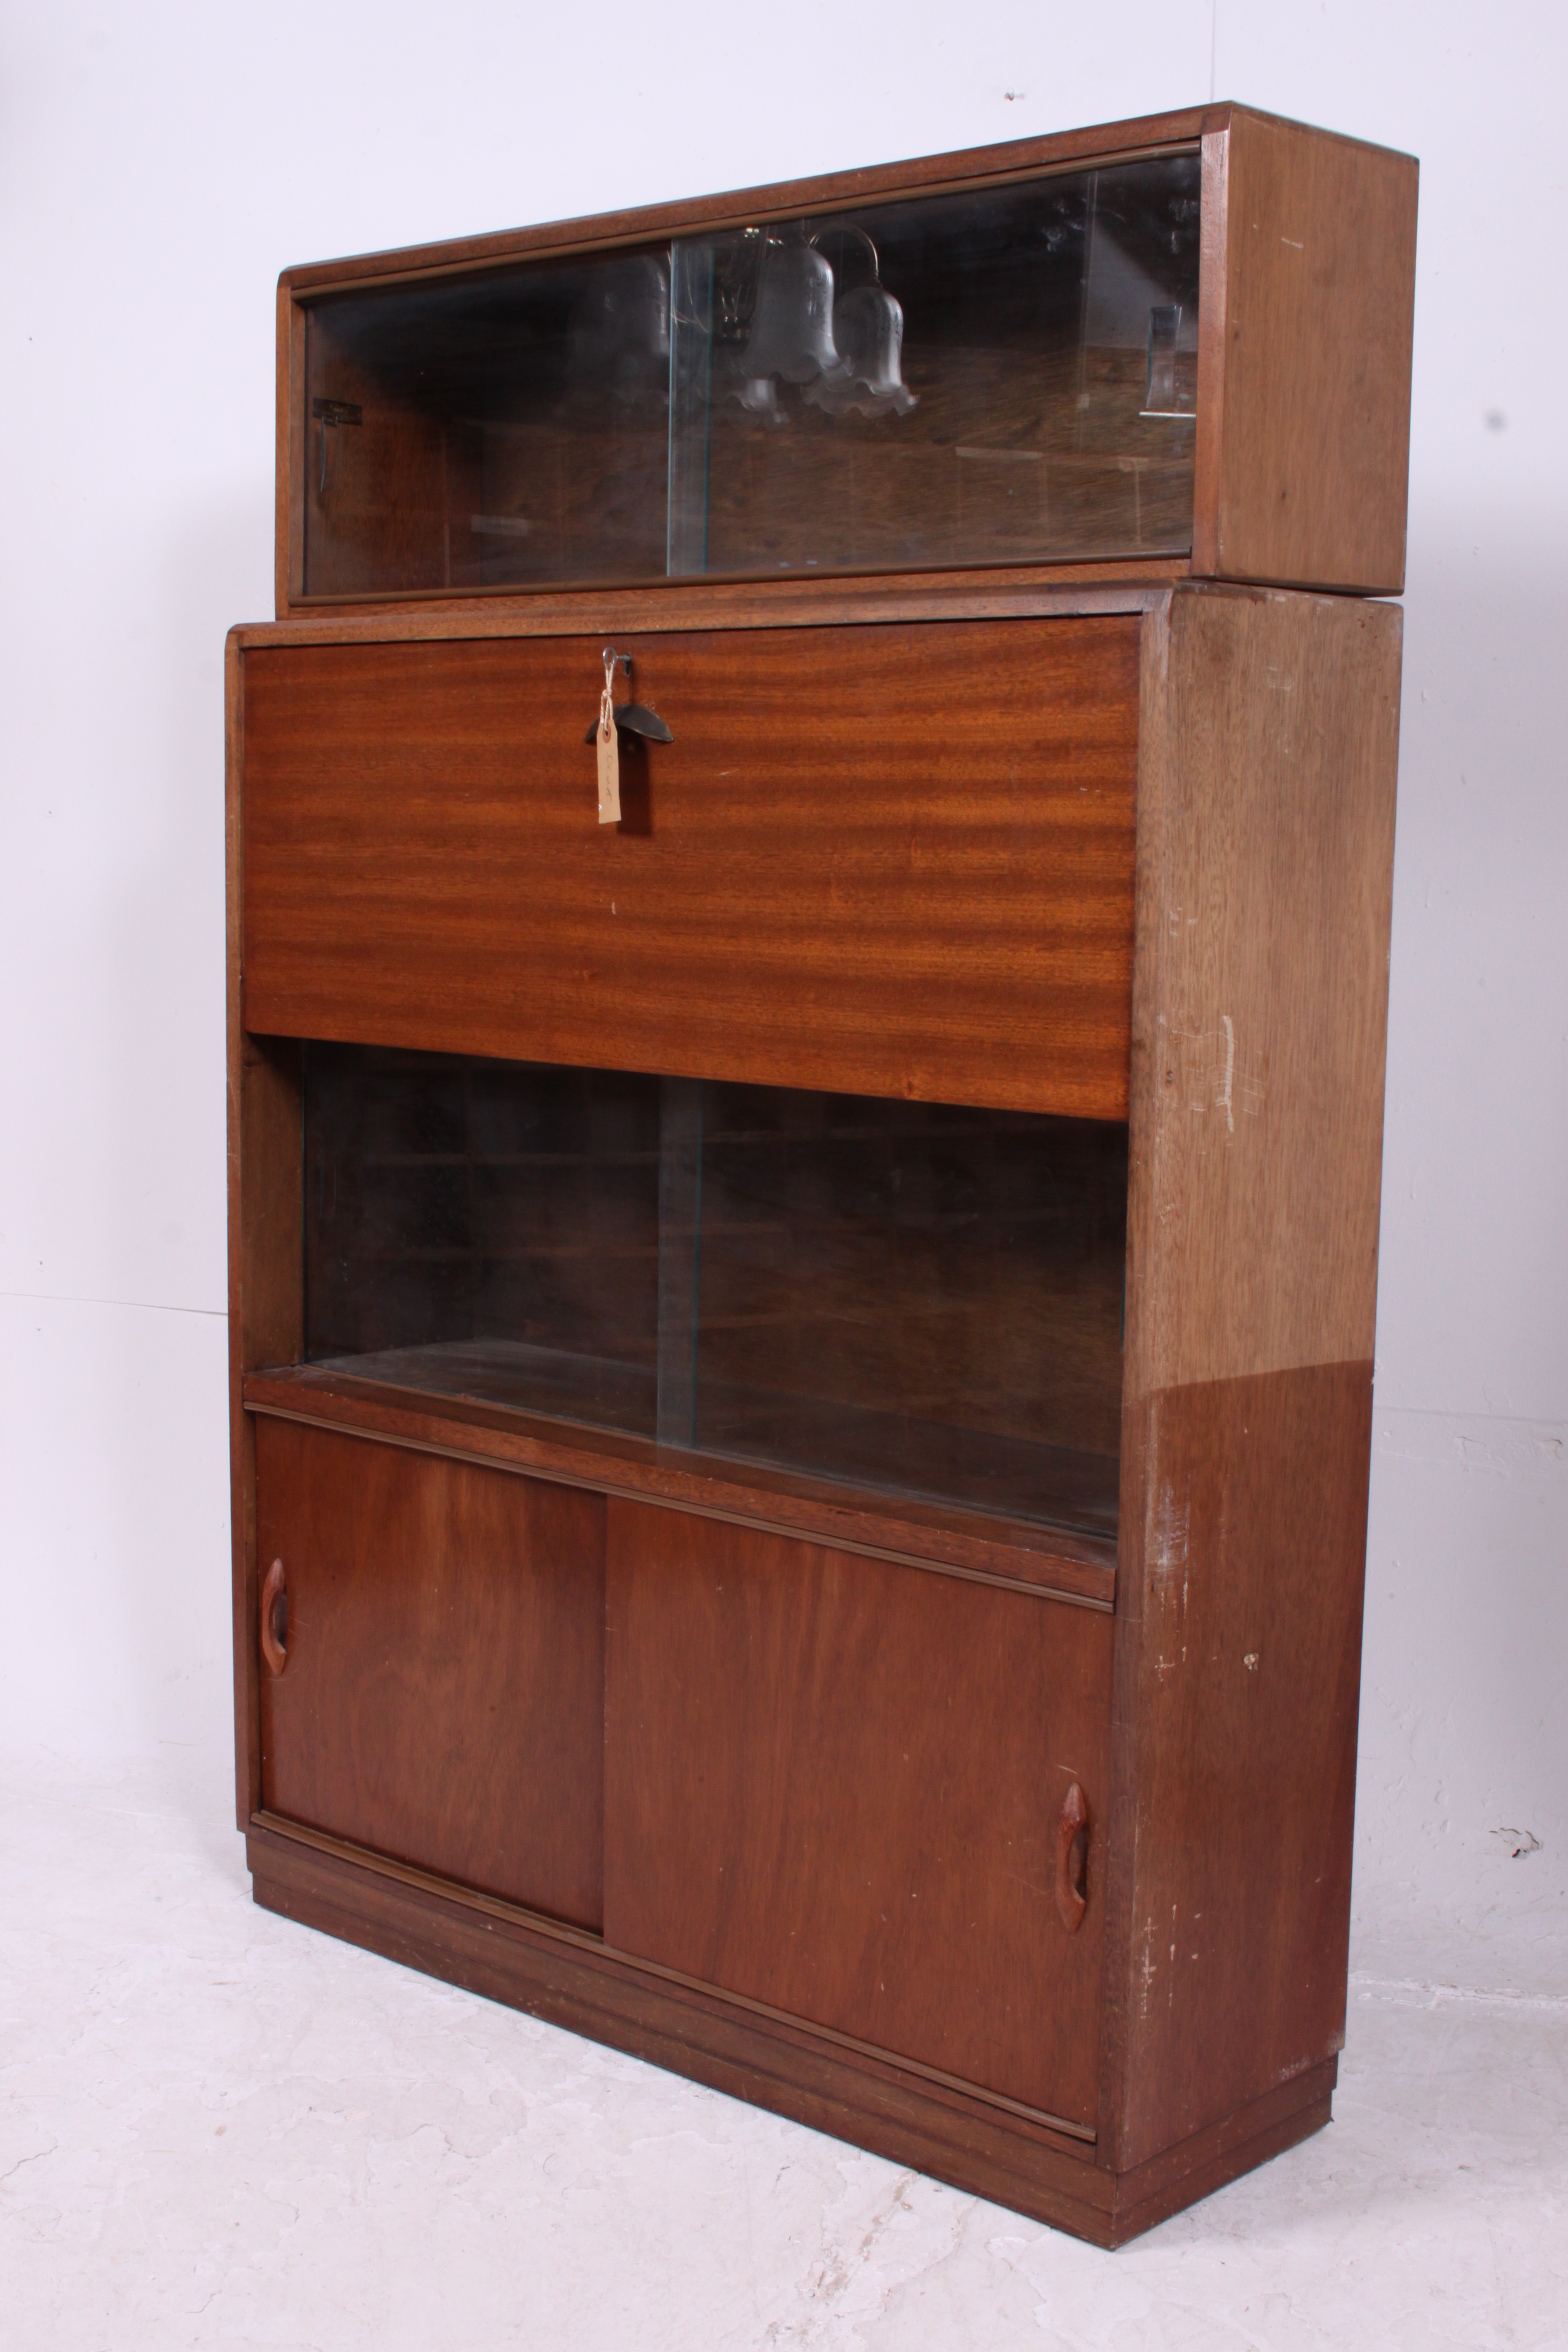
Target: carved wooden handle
x=275 y=1618
x=1072 y=1858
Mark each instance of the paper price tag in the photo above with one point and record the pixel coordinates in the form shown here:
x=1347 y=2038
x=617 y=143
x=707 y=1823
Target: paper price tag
x=607 y=745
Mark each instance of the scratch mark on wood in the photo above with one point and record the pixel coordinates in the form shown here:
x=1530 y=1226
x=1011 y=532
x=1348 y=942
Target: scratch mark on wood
x=1169 y=1550
x=1148 y=1972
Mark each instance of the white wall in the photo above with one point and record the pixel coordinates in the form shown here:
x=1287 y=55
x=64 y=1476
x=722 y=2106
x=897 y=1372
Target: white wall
x=157 y=168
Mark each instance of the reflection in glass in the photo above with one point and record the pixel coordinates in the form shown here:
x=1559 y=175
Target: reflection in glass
x=868 y=332
x=515 y=429
x=790 y=339
x=1003 y=375
x=914 y=1298
x=1162 y=397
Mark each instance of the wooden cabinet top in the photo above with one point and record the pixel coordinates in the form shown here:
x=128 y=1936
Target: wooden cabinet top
x=1165 y=348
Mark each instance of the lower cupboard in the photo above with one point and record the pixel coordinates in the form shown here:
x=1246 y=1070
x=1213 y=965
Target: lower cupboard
x=861 y=1793
x=438 y=1695
x=835 y=1785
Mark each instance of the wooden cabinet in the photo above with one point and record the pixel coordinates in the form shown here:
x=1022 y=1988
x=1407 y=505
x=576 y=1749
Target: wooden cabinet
x=801 y=1359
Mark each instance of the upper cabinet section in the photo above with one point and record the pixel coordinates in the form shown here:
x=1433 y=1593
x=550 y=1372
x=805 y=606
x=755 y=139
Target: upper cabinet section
x=1176 y=346
x=1007 y=375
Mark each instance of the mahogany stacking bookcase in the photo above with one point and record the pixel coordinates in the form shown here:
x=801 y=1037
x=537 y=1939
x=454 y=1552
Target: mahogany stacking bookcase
x=804 y=1244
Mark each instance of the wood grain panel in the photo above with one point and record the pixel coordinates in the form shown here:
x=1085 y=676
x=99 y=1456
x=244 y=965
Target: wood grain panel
x=1265 y=859
x=888 y=861
x=1237 y=1691
x=1304 y=372
x=443 y=1697
x=833 y=1786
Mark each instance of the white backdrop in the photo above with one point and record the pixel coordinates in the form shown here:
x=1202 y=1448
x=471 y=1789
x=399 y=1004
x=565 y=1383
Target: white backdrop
x=157 y=168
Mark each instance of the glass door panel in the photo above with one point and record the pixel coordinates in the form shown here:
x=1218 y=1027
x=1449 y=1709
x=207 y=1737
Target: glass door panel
x=1005 y=375
x=953 y=380
x=495 y=431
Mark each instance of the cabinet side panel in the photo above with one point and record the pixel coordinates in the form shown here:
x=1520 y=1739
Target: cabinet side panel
x=265 y=1236
x=375 y=499
x=247 y=1754
x=289 y=469
x=1264 y=867
x=1213 y=341
x=1319 y=309
x=266 y=1307
x=1265 y=855
x=1238 y=1686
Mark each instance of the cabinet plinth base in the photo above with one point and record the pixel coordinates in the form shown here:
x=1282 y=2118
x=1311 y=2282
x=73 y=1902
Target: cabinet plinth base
x=969 y=2142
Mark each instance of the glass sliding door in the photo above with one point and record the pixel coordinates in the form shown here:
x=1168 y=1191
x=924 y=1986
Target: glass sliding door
x=919 y=1299
x=1002 y=376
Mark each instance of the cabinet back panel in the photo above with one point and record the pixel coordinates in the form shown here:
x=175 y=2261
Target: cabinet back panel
x=885 y=860
x=443 y=1700
x=832 y=1785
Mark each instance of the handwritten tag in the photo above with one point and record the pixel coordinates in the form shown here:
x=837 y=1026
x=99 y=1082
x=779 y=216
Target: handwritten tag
x=607 y=744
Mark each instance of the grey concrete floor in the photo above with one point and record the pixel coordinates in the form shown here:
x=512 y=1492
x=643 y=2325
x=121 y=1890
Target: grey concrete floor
x=217 y=2129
